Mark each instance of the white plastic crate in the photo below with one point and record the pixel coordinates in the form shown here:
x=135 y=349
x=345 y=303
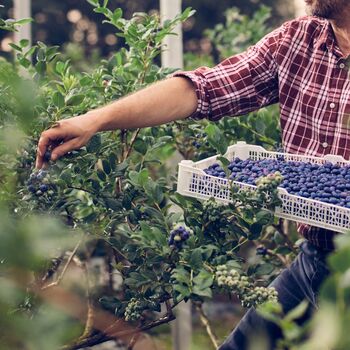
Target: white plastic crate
x=194 y=182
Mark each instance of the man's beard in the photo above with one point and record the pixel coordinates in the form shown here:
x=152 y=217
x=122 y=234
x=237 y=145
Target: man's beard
x=327 y=8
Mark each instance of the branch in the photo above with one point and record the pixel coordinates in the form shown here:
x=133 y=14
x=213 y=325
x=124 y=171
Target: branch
x=56 y=263
x=53 y=284
x=133 y=341
x=90 y=310
x=102 y=338
x=133 y=139
x=206 y=324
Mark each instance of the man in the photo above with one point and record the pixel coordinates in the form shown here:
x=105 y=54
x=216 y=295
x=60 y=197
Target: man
x=303 y=66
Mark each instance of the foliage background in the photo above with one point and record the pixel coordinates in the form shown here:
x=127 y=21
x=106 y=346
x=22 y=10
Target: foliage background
x=136 y=217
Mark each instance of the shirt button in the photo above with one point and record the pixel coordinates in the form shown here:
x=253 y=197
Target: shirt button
x=325 y=144
x=332 y=105
x=342 y=65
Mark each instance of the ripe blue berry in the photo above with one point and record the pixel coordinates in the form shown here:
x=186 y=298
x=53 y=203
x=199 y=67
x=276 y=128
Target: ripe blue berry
x=178 y=236
x=47 y=156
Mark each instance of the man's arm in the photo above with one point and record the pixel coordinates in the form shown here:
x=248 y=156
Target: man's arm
x=163 y=102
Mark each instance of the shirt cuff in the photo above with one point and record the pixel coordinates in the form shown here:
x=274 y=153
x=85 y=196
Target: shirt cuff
x=203 y=110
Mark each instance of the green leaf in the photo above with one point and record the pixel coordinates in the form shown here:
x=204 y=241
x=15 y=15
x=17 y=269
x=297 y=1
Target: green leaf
x=183 y=290
x=255 y=231
x=16 y=47
x=181 y=275
x=216 y=138
x=140 y=146
x=265 y=269
x=340 y=261
x=24 y=21
x=121 y=168
x=187 y=13
x=58 y=99
x=203 y=280
x=264 y=217
x=24 y=42
x=101 y=175
x=196 y=258
x=60 y=67
x=112 y=158
x=106 y=166
x=113 y=204
x=85 y=81
x=41 y=55
x=117 y=14
x=154 y=191
x=206 y=292
x=139 y=178
x=74 y=100
x=94 y=144
x=94 y=2
x=24 y=62
x=40 y=67
x=102 y=10
x=224 y=161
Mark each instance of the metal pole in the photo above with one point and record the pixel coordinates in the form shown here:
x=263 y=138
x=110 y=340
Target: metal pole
x=172 y=56
x=22 y=9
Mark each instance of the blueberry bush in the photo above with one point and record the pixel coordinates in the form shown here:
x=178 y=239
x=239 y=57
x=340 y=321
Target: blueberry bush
x=113 y=199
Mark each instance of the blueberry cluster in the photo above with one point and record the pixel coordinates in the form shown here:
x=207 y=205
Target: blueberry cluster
x=133 y=310
x=198 y=144
x=39 y=182
x=246 y=292
x=260 y=295
x=329 y=183
x=178 y=236
x=261 y=250
x=214 y=220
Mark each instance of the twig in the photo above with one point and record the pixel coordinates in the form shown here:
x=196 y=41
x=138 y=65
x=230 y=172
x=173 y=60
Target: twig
x=133 y=341
x=102 y=338
x=56 y=263
x=59 y=278
x=90 y=311
x=133 y=139
x=206 y=324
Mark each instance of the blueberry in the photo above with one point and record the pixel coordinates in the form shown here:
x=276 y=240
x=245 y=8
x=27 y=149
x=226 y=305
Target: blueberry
x=31 y=189
x=43 y=188
x=47 y=156
x=261 y=250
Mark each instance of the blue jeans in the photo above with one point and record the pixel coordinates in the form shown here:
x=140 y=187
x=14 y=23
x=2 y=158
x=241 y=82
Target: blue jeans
x=300 y=281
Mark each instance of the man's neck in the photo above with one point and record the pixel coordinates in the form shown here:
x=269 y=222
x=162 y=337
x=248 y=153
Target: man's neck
x=341 y=28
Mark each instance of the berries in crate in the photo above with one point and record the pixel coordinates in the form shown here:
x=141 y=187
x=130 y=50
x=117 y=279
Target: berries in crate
x=313 y=190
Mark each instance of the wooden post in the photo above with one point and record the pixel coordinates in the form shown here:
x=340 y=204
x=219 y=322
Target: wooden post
x=22 y=9
x=172 y=56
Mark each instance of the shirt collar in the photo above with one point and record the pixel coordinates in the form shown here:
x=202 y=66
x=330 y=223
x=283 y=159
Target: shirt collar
x=326 y=39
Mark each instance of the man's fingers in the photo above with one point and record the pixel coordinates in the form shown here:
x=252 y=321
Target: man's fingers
x=50 y=137
x=64 y=148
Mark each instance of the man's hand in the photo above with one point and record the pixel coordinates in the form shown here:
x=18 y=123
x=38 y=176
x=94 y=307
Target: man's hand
x=65 y=136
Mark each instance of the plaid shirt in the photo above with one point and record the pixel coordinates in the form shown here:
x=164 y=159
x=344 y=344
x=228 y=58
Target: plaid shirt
x=300 y=66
